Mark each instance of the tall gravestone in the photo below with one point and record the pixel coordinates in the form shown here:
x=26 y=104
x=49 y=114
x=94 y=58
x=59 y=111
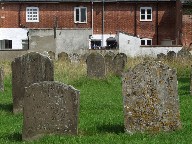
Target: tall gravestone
x=26 y=70
x=109 y=65
x=150 y=97
x=95 y=66
x=119 y=63
x=50 y=108
x=1 y=79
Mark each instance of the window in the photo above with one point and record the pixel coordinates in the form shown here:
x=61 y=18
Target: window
x=146 y=41
x=80 y=15
x=32 y=14
x=5 y=44
x=95 y=44
x=145 y=14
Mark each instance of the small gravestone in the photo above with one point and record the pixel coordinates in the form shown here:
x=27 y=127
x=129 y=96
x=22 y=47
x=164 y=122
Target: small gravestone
x=109 y=65
x=26 y=70
x=183 y=53
x=63 y=57
x=150 y=97
x=1 y=79
x=119 y=63
x=161 y=56
x=51 y=55
x=50 y=108
x=75 y=58
x=171 y=55
x=95 y=66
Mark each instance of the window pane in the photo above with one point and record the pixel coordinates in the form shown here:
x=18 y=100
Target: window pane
x=83 y=15
x=8 y=44
x=148 y=17
x=142 y=42
x=77 y=15
x=142 y=17
x=148 y=11
x=142 y=11
x=148 y=42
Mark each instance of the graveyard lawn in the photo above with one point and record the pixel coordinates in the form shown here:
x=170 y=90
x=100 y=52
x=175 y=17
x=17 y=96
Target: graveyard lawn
x=101 y=111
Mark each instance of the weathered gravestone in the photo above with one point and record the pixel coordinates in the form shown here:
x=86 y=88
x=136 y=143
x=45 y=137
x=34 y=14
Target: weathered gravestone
x=75 y=58
x=171 y=55
x=63 y=57
x=150 y=98
x=109 y=65
x=161 y=56
x=184 y=53
x=119 y=63
x=1 y=79
x=50 y=108
x=26 y=70
x=95 y=65
x=51 y=55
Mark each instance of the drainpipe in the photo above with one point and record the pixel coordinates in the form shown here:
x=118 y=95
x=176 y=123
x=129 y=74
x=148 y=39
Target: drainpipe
x=92 y=16
x=19 y=16
x=135 y=20
x=157 y=27
x=103 y=23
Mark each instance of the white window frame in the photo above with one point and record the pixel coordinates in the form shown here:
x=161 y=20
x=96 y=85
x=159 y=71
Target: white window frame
x=146 y=39
x=79 y=21
x=146 y=8
x=32 y=14
x=3 y=44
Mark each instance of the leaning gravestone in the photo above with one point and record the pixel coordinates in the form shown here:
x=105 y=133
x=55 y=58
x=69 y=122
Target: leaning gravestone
x=95 y=66
x=63 y=57
x=50 y=108
x=26 y=70
x=1 y=79
x=151 y=101
x=109 y=65
x=119 y=63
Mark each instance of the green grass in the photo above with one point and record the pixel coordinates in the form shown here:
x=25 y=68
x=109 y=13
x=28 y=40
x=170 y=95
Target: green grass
x=101 y=114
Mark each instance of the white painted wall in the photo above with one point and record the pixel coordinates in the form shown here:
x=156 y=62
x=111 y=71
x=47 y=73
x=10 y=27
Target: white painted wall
x=131 y=46
x=14 y=34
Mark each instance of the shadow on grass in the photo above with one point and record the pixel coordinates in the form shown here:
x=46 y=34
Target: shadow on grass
x=184 y=86
x=117 y=129
x=14 y=137
x=6 y=107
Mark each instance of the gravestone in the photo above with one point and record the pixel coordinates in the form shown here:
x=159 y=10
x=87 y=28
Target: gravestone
x=161 y=56
x=1 y=79
x=150 y=97
x=109 y=65
x=51 y=55
x=184 y=53
x=171 y=55
x=50 y=108
x=75 y=58
x=26 y=70
x=63 y=57
x=119 y=63
x=95 y=65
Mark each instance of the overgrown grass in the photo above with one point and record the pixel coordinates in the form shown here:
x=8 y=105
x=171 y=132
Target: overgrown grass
x=101 y=109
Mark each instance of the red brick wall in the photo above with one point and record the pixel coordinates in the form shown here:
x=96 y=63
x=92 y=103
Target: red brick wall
x=118 y=17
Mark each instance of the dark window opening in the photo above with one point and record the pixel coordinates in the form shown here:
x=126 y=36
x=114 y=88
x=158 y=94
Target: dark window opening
x=111 y=43
x=95 y=44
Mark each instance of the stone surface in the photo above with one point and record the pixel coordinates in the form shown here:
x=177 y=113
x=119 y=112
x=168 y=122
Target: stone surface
x=109 y=65
x=171 y=55
x=50 y=108
x=1 y=79
x=63 y=57
x=26 y=70
x=75 y=58
x=119 y=63
x=95 y=66
x=150 y=97
x=184 y=53
x=51 y=55
x=161 y=56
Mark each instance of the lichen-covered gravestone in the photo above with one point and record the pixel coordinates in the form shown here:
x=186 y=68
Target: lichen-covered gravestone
x=95 y=66
x=26 y=70
x=119 y=63
x=50 y=108
x=150 y=97
x=63 y=57
x=1 y=79
x=109 y=65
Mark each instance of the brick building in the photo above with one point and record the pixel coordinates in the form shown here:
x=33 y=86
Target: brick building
x=155 y=22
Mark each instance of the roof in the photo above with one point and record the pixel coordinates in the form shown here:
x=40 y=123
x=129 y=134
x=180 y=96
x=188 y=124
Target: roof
x=83 y=0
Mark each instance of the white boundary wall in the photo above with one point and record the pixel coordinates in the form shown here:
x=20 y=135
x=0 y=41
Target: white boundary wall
x=14 y=34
